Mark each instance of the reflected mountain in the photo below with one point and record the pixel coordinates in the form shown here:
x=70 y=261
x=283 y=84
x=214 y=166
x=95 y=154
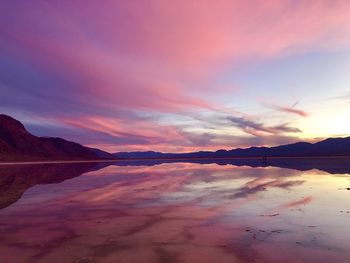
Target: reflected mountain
x=336 y=165
x=16 y=179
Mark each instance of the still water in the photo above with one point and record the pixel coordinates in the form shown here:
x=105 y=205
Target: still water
x=174 y=212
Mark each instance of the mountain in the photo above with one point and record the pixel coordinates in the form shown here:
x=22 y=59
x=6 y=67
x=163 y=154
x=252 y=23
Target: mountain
x=146 y=155
x=102 y=154
x=17 y=144
x=328 y=147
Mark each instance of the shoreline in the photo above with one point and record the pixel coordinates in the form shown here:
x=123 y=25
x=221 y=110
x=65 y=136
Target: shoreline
x=170 y=159
x=55 y=162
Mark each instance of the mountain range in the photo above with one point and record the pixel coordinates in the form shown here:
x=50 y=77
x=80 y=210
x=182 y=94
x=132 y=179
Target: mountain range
x=17 y=144
x=325 y=148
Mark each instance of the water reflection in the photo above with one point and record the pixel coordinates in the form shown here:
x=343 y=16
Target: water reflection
x=172 y=212
x=335 y=165
x=16 y=179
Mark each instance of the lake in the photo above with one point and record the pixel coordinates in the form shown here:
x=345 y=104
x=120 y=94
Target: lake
x=203 y=211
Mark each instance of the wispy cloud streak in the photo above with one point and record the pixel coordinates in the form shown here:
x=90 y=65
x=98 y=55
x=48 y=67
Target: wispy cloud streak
x=258 y=129
x=291 y=109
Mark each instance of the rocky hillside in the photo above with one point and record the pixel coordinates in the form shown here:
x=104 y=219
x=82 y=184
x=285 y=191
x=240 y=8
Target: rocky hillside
x=17 y=144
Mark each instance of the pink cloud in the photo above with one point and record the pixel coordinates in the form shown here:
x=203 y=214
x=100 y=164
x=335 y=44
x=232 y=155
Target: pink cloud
x=182 y=36
x=291 y=110
x=155 y=56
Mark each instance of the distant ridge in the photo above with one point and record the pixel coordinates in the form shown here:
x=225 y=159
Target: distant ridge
x=17 y=144
x=329 y=147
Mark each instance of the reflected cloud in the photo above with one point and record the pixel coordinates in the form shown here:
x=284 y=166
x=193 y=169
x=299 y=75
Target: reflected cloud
x=304 y=201
x=253 y=188
x=172 y=211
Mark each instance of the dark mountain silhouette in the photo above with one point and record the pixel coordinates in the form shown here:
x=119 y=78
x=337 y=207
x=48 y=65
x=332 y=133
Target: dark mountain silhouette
x=328 y=147
x=17 y=144
x=146 y=155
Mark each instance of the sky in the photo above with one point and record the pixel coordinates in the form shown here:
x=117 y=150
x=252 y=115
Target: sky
x=177 y=76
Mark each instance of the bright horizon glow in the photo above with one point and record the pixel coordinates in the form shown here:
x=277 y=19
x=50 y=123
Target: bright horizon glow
x=177 y=76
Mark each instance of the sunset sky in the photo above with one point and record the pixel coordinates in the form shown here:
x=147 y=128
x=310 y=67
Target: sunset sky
x=177 y=76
